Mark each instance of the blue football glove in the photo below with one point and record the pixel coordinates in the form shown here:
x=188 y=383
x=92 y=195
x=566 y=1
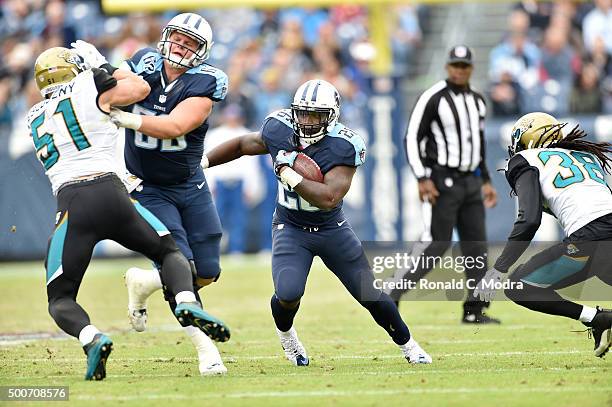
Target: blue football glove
x=284 y=159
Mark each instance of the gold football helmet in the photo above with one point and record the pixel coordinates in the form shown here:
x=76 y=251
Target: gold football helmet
x=535 y=130
x=56 y=66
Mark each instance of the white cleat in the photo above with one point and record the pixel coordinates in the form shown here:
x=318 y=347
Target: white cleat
x=414 y=353
x=294 y=350
x=212 y=368
x=140 y=285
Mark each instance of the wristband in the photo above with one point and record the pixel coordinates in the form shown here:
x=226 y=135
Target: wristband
x=108 y=68
x=205 y=162
x=131 y=120
x=290 y=177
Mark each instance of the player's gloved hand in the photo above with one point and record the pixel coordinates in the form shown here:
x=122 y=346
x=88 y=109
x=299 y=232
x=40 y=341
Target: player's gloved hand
x=288 y=177
x=89 y=53
x=485 y=290
x=284 y=159
x=125 y=119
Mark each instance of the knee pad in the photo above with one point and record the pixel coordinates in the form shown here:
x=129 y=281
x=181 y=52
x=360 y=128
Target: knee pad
x=206 y=253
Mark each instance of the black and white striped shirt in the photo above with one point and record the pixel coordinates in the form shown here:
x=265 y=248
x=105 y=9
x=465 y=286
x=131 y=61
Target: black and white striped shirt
x=447 y=129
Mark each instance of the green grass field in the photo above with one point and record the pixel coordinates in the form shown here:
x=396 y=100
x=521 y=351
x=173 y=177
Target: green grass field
x=531 y=360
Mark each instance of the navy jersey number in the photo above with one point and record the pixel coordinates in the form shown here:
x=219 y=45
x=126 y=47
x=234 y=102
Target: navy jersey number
x=46 y=150
x=578 y=163
x=150 y=143
x=291 y=200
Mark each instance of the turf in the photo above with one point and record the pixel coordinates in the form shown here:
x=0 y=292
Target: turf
x=531 y=360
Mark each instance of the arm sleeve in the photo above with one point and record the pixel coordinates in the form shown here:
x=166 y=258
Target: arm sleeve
x=103 y=80
x=527 y=188
x=418 y=129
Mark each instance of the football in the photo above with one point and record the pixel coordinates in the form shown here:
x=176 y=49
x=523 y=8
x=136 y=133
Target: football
x=307 y=168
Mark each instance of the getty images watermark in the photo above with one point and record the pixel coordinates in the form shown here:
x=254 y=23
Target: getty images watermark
x=448 y=270
x=405 y=265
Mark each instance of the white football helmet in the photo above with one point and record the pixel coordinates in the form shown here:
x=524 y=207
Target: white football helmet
x=315 y=110
x=193 y=26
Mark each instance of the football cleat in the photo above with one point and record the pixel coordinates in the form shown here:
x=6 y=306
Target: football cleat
x=478 y=318
x=140 y=286
x=600 y=328
x=97 y=352
x=294 y=350
x=191 y=313
x=414 y=353
x=212 y=367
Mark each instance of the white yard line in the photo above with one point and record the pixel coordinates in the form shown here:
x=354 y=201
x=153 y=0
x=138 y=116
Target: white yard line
x=351 y=393
x=334 y=357
x=314 y=372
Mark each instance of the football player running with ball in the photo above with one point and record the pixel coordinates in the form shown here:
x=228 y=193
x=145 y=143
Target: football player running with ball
x=75 y=142
x=564 y=176
x=164 y=143
x=309 y=220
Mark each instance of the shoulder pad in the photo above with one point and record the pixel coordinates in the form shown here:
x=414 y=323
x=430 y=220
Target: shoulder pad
x=515 y=167
x=147 y=60
x=36 y=110
x=351 y=144
x=282 y=115
x=218 y=87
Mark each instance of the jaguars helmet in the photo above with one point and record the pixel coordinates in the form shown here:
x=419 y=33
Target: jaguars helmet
x=194 y=26
x=55 y=67
x=315 y=110
x=535 y=130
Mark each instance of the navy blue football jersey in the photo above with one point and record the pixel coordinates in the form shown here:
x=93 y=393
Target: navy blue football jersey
x=342 y=146
x=171 y=161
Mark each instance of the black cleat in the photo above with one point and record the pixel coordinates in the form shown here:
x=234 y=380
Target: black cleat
x=600 y=328
x=97 y=352
x=478 y=317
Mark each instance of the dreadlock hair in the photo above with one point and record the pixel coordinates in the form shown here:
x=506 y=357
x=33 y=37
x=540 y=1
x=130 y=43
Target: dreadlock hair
x=574 y=141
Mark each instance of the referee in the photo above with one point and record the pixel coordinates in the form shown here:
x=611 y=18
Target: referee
x=445 y=146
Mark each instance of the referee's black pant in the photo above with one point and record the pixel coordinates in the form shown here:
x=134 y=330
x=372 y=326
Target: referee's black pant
x=459 y=205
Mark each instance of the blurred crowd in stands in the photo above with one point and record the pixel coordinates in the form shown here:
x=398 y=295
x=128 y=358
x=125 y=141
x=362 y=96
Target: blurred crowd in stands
x=555 y=57
x=266 y=53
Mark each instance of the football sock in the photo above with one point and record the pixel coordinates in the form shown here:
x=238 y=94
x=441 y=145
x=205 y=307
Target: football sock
x=201 y=342
x=87 y=334
x=386 y=315
x=545 y=300
x=185 y=296
x=587 y=314
x=283 y=317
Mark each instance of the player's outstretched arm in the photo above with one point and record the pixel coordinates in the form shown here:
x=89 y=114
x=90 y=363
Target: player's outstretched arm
x=527 y=188
x=185 y=117
x=249 y=144
x=128 y=89
x=327 y=194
